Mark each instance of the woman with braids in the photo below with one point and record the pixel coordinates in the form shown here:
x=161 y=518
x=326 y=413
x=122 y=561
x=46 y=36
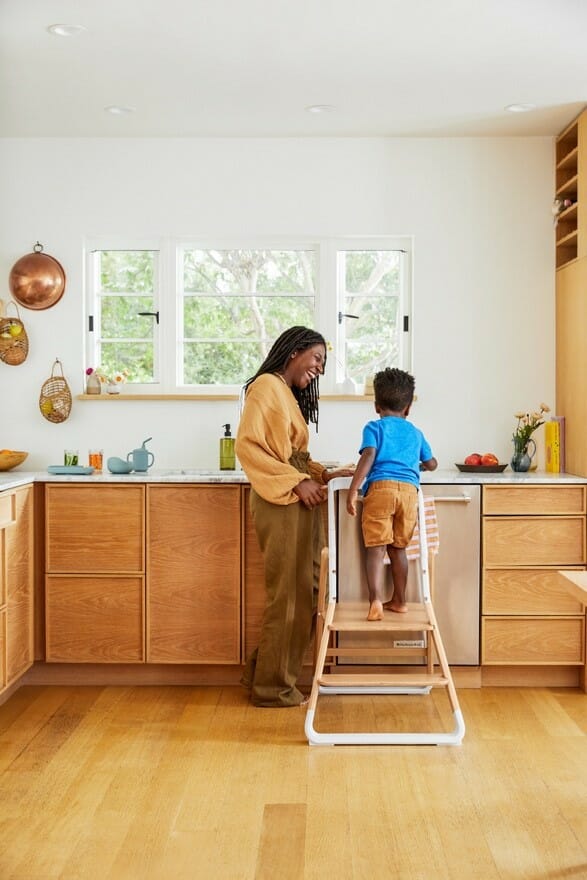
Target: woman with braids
x=287 y=488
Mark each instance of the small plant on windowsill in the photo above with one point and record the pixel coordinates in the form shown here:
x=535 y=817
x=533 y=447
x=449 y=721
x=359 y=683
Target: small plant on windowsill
x=112 y=381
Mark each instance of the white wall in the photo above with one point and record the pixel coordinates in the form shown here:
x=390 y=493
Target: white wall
x=479 y=211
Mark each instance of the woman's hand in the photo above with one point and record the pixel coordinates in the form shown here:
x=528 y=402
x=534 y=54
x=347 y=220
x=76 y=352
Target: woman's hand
x=310 y=493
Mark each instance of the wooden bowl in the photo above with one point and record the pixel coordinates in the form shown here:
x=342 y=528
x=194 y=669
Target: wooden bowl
x=12 y=459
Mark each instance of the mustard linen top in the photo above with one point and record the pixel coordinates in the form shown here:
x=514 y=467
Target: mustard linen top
x=271 y=428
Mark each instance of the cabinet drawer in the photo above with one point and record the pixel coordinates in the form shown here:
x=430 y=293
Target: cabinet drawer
x=94 y=619
x=531 y=499
x=95 y=529
x=526 y=591
x=532 y=641
x=7 y=509
x=532 y=541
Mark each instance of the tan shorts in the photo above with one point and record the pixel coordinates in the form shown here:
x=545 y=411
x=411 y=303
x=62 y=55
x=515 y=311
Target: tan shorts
x=390 y=511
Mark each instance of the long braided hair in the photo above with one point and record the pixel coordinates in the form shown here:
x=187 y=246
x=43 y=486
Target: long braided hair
x=290 y=341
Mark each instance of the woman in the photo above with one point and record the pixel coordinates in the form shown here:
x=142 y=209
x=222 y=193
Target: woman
x=287 y=488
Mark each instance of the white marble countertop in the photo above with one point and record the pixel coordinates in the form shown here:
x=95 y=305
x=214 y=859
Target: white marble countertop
x=15 y=478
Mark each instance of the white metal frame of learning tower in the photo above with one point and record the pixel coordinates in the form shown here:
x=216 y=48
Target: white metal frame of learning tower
x=350 y=617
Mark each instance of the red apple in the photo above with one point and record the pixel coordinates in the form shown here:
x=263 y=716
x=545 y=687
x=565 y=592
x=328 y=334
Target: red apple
x=474 y=459
x=489 y=459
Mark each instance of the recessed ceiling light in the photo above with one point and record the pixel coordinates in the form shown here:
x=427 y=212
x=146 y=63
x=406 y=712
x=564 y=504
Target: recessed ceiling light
x=119 y=111
x=520 y=108
x=320 y=108
x=66 y=30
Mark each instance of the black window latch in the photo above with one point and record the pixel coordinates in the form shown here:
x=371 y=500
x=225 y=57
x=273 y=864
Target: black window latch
x=152 y=314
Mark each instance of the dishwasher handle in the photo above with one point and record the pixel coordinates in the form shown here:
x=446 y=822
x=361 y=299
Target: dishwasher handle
x=461 y=499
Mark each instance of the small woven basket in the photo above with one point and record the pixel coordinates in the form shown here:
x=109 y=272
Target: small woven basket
x=14 y=342
x=55 y=397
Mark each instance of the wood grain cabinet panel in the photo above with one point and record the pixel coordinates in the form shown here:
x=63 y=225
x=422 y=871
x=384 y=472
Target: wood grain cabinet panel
x=194 y=568
x=532 y=541
x=7 y=509
x=20 y=587
x=94 y=619
x=95 y=528
x=526 y=591
x=532 y=500
x=94 y=583
x=2 y=649
x=2 y=567
x=534 y=642
x=528 y=533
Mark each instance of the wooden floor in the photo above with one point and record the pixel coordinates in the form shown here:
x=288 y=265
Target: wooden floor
x=178 y=782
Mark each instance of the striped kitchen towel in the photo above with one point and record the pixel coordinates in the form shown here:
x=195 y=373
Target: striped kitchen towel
x=432 y=536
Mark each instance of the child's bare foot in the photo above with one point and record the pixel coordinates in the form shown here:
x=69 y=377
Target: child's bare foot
x=375 y=611
x=394 y=605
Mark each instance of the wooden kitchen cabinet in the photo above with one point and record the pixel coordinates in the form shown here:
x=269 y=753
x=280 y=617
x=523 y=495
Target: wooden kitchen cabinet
x=571 y=361
x=194 y=573
x=528 y=533
x=16 y=584
x=567 y=188
x=571 y=291
x=95 y=573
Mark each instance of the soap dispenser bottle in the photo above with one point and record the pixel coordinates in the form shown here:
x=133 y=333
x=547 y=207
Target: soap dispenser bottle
x=227 y=457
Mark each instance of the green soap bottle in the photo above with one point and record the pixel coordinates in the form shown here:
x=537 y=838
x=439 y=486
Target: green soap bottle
x=227 y=456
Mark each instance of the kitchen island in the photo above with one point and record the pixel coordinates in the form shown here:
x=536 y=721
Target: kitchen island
x=156 y=578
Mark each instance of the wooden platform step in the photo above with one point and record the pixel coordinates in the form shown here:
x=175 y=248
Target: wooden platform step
x=351 y=617
x=413 y=679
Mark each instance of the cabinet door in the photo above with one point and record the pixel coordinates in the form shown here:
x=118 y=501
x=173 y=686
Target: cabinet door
x=94 y=529
x=193 y=584
x=2 y=649
x=19 y=587
x=94 y=619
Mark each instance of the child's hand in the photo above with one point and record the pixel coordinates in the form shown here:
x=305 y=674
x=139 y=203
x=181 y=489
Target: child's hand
x=351 y=503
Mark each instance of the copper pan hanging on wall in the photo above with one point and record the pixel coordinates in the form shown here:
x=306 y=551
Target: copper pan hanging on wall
x=37 y=281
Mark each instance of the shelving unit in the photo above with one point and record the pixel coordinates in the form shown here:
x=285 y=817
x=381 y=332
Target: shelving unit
x=567 y=187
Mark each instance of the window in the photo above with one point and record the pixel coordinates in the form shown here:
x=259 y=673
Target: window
x=200 y=318
x=234 y=303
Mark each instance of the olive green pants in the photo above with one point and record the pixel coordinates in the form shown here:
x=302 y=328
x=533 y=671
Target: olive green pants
x=291 y=539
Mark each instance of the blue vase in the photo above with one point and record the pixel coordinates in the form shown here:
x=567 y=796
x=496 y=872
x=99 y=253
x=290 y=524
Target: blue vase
x=522 y=457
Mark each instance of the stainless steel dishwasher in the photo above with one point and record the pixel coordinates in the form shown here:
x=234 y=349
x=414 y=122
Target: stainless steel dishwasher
x=456 y=569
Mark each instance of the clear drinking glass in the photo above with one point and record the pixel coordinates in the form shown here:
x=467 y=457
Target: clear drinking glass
x=70 y=457
x=96 y=458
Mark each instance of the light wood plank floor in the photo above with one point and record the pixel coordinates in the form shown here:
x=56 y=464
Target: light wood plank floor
x=154 y=783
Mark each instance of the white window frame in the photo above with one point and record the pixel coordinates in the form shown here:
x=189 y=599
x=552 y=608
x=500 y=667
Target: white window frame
x=328 y=301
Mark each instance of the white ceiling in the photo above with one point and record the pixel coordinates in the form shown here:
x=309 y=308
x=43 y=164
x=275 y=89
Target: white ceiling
x=196 y=68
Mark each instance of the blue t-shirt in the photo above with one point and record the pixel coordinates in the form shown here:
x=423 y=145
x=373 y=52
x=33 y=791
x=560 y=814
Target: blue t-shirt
x=400 y=449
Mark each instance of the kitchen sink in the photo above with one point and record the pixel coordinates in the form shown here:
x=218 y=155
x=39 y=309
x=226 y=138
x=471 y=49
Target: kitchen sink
x=199 y=472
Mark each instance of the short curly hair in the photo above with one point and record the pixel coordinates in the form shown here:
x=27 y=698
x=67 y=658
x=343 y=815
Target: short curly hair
x=394 y=389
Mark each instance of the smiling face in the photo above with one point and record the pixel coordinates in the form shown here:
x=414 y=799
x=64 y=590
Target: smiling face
x=303 y=366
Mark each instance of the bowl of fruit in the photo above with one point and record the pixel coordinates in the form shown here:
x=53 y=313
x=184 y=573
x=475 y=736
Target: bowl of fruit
x=488 y=463
x=10 y=458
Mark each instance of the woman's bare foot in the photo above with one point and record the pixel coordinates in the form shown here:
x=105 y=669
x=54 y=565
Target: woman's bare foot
x=375 y=611
x=394 y=605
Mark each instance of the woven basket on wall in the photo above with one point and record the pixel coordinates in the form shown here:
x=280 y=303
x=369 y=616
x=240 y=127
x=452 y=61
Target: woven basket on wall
x=14 y=342
x=55 y=397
